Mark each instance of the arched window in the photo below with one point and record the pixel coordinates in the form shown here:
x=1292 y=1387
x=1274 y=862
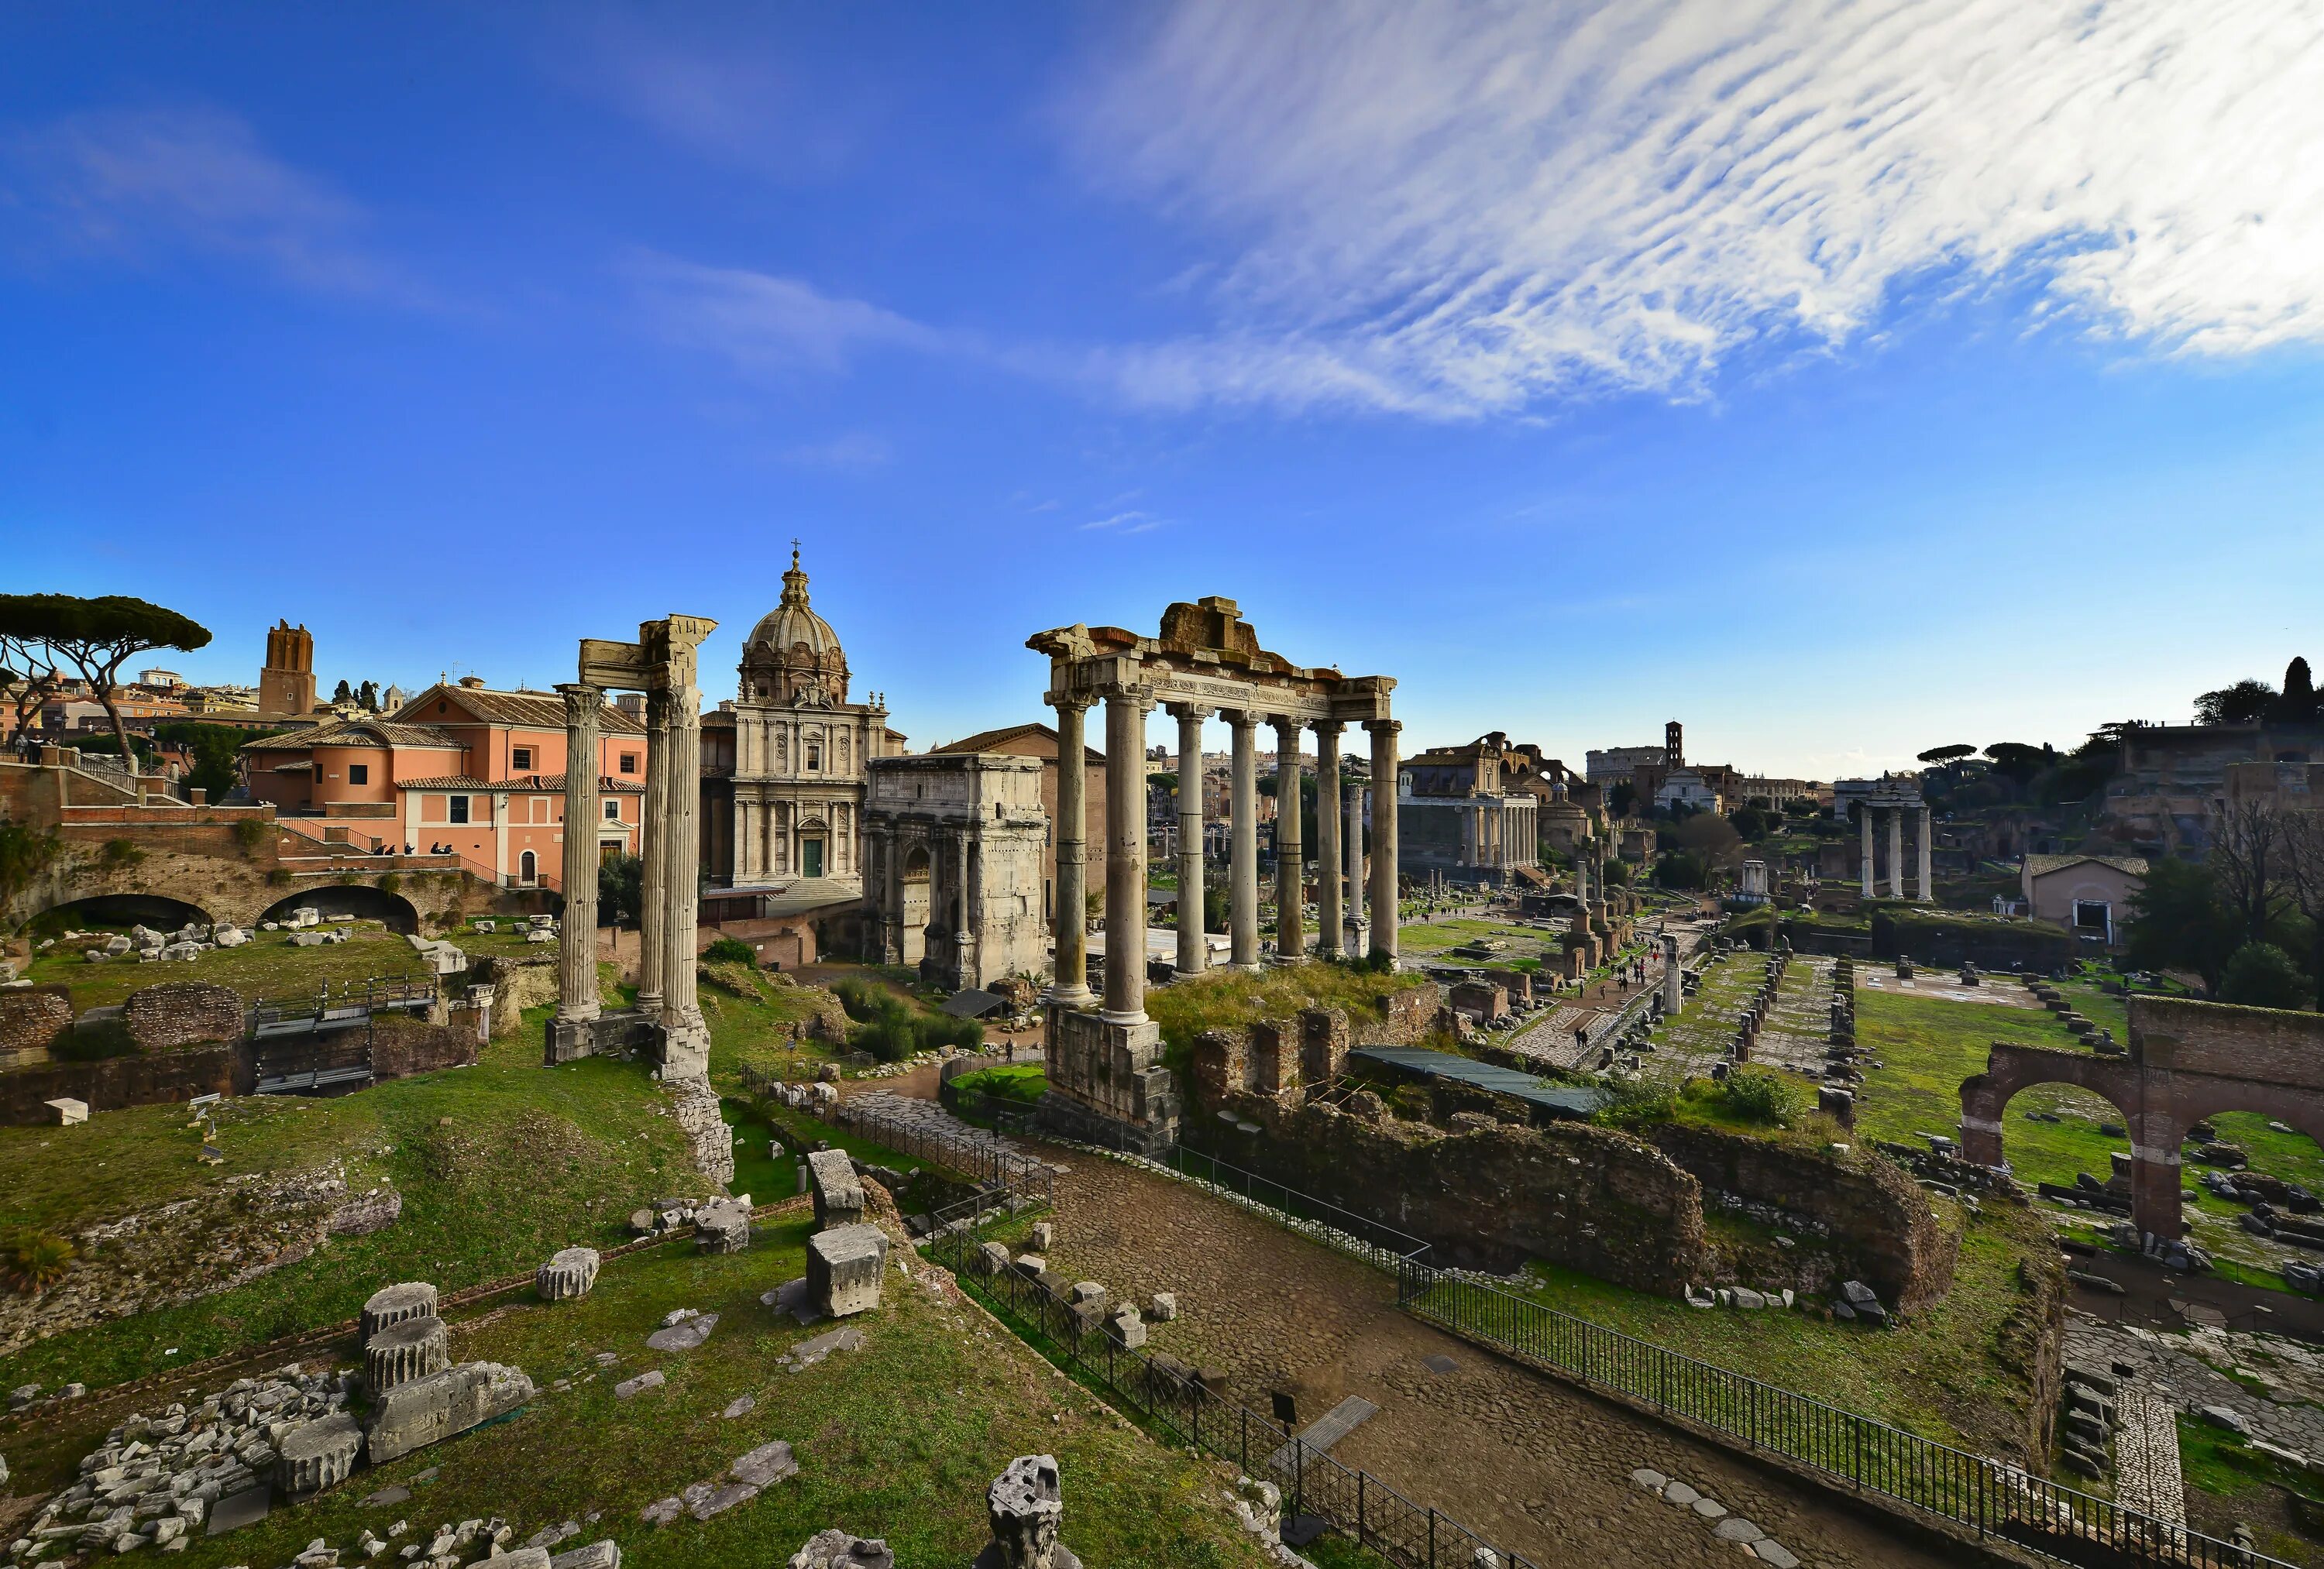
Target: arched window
x=526 y=868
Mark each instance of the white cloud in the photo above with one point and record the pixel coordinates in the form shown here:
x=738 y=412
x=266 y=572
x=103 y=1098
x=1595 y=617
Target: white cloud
x=1124 y=523
x=138 y=182
x=1456 y=209
x=765 y=322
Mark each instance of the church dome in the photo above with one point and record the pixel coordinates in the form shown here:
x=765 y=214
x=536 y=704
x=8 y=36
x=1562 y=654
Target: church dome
x=793 y=649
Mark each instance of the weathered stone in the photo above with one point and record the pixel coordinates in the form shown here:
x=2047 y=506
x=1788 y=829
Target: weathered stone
x=568 y=1275
x=1127 y=1326
x=651 y=1379
x=844 y=1268
x=604 y=1554
x=319 y=1453
x=766 y=1465
x=1163 y=1308
x=442 y=1404
x=394 y=1303
x=836 y=1549
x=990 y=1259
x=67 y=1112
x=1025 y=1507
x=410 y=1349
x=1044 y=1236
x=838 y=1196
x=723 y=1227
x=685 y=1334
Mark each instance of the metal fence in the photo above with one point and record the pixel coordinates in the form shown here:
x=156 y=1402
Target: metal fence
x=1318 y=1491
x=1869 y=1456
x=1381 y=1245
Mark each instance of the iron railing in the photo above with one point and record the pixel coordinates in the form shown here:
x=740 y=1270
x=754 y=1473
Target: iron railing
x=1317 y=1490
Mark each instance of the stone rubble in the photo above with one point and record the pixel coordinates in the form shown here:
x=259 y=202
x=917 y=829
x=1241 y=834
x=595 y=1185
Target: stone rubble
x=1727 y=1528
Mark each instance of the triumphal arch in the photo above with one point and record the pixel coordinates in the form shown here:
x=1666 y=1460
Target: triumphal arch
x=1106 y=1079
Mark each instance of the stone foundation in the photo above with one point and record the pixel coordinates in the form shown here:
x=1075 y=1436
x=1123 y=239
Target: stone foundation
x=394 y=1303
x=1107 y=1084
x=415 y=1415
x=627 y=1033
x=698 y=1116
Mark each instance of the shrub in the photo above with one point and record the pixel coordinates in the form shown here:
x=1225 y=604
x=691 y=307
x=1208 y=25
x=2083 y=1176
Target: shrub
x=390 y=883
x=280 y=878
x=1633 y=1101
x=2263 y=976
x=33 y=1260
x=1756 y=1096
x=732 y=950
x=118 y=855
x=250 y=833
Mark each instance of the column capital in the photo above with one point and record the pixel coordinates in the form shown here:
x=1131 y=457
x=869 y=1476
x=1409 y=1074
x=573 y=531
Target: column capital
x=1078 y=702
x=1143 y=696
x=1240 y=718
x=1326 y=726
x=1383 y=727
x=1187 y=711
x=582 y=701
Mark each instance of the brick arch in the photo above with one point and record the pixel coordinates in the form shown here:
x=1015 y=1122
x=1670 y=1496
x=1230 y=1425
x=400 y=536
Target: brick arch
x=2187 y=1060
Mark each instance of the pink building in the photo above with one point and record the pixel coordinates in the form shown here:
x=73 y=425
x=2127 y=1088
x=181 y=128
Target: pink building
x=463 y=766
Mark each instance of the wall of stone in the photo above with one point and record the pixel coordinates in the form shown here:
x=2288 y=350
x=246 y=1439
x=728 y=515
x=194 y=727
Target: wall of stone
x=178 y=1014
x=402 y=1047
x=33 y=1018
x=1857 y=1216
x=124 y=1081
x=2234 y=1042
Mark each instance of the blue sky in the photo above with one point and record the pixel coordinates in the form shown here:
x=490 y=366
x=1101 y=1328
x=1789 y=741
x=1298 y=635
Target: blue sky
x=1841 y=381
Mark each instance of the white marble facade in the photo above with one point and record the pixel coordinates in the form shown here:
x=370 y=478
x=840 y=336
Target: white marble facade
x=800 y=750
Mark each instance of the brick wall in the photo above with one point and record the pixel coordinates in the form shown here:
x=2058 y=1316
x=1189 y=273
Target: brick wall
x=32 y=1019
x=2233 y=1043
x=124 y=1081
x=178 y=1014
x=403 y=1047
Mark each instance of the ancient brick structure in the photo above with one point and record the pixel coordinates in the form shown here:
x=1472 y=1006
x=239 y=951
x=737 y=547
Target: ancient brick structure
x=2187 y=1062
x=182 y=1013
x=32 y=1020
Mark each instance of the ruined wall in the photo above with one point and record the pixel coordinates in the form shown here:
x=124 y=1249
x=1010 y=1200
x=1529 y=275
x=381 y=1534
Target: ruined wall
x=33 y=1018
x=124 y=1081
x=178 y=1014
x=2268 y=1044
x=402 y=1047
x=1849 y=1217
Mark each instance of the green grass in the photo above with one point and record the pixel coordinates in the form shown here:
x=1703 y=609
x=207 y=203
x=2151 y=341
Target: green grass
x=1026 y=1082
x=267 y=966
x=898 y=1439
x=499 y=1165
x=1228 y=999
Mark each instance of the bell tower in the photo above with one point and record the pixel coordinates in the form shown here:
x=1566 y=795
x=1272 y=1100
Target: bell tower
x=286 y=684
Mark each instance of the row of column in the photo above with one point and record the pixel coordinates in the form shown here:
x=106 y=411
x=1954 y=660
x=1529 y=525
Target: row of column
x=1124 y=1000
x=1922 y=832
x=672 y=857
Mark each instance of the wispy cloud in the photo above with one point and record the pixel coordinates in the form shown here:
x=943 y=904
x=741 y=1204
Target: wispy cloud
x=1125 y=523
x=765 y=322
x=143 y=184
x=1462 y=209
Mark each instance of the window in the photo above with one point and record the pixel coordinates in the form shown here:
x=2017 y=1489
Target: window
x=459 y=805
x=358 y=773
x=521 y=757
x=526 y=868
x=814 y=756
x=629 y=762
x=2092 y=914
x=612 y=810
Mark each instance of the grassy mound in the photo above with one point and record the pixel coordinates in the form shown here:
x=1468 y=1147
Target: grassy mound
x=1228 y=999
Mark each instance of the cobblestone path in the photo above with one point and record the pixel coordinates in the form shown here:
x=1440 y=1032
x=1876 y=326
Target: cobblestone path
x=1531 y=1463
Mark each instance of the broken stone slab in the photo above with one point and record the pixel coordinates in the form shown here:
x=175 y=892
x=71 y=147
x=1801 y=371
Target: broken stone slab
x=651 y=1379
x=521 y=1558
x=838 y=1196
x=705 y=1499
x=410 y=1349
x=836 y=1549
x=568 y=1275
x=1025 y=1507
x=723 y=1228
x=318 y=1454
x=808 y=1353
x=1163 y=1308
x=844 y=1268
x=66 y=1112
x=685 y=1334
x=992 y=1258
x=766 y=1465
x=740 y=1406
x=426 y=1410
x=604 y=1554
x=394 y=1303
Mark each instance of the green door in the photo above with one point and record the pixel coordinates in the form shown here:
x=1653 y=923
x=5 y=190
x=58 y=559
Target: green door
x=811 y=857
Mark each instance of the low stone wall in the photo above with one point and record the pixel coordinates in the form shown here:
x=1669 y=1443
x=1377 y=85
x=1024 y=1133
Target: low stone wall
x=401 y=1047
x=116 y=1082
x=33 y=1018
x=178 y=1014
x=517 y=984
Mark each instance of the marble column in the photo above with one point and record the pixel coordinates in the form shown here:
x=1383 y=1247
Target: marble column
x=1384 y=837
x=653 y=895
x=1194 y=954
x=1290 y=851
x=1327 y=839
x=1355 y=859
x=577 y=949
x=1242 y=844
x=1925 y=825
x=1125 y=855
x=1896 y=852
x=1071 y=985
x=685 y=1038
x=892 y=896
x=1865 y=820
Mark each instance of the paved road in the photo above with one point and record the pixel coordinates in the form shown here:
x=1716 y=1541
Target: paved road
x=1531 y=1463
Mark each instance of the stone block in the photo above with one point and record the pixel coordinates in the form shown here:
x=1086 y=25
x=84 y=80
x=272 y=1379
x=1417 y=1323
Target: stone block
x=1088 y=1292
x=723 y=1227
x=1043 y=1237
x=394 y=1303
x=415 y=1415
x=836 y=1549
x=1025 y=1507
x=838 y=1196
x=318 y=1454
x=521 y=1558
x=412 y=1348
x=568 y=1275
x=1163 y=1308
x=66 y=1112
x=990 y=1259
x=604 y=1554
x=1127 y=1327
x=843 y=1269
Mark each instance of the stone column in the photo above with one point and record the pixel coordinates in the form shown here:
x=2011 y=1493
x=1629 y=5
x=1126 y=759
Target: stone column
x=1355 y=857
x=1925 y=826
x=1327 y=839
x=1674 y=981
x=1242 y=866
x=1896 y=852
x=576 y=946
x=1290 y=850
x=1384 y=836
x=891 y=896
x=1865 y=808
x=1194 y=954
x=1125 y=855
x=685 y=1038
x=654 y=843
x=1071 y=984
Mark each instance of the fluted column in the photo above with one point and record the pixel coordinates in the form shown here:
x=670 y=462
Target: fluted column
x=1071 y=984
x=1242 y=870
x=1384 y=837
x=687 y=1038
x=576 y=946
x=1896 y=852
x=1327 y=839
x=1925 y=826
x=1194 y=955
x=1125 y=855
x=654 y=893
x=1355 y=857
x=1865 y=808
x=1290 y=850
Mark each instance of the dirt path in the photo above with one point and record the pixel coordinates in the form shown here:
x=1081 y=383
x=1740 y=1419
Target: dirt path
x=1529 y=1463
